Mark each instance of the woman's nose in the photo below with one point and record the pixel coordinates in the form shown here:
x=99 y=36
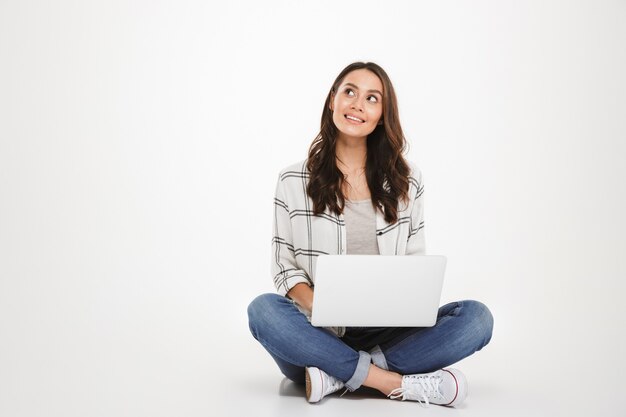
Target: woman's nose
x=357 y=104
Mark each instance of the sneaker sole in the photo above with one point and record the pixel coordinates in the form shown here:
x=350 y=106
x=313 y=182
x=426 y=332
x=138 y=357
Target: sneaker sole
x=313 y=392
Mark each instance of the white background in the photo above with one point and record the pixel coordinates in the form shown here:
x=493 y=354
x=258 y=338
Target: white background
x=140 y=144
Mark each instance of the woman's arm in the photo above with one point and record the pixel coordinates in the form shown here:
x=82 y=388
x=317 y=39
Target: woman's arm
x=416 y=244
x=285 y=270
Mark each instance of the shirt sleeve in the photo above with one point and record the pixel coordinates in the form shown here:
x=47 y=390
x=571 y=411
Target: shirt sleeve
x=284 y=267
x=416 y=244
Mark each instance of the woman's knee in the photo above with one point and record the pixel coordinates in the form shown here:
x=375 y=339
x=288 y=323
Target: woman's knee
x=480 y=320
x=261 y=310
x=260 y=306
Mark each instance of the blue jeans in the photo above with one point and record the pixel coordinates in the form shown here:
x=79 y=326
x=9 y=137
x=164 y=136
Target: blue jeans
x=462 y=328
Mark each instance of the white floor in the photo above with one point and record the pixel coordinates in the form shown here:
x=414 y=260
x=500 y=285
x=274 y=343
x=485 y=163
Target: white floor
x=499 y=386
x=158 y=364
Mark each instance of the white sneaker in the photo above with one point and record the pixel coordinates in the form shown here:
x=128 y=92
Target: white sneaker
x=319 y=384
x=444 y=387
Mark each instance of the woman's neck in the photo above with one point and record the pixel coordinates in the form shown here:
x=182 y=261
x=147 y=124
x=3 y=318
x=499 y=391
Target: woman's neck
x=351 y=154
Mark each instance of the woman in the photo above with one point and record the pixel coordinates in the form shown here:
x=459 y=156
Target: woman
x=356 y=194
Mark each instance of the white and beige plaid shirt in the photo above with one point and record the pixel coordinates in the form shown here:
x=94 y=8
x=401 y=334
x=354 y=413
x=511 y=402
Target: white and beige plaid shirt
x=300 y=236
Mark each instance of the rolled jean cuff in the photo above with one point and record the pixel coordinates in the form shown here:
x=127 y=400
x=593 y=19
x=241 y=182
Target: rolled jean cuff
x=378 y=358
x=360 y=374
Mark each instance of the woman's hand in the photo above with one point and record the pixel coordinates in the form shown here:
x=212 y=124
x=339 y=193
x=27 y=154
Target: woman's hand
x=302 y=294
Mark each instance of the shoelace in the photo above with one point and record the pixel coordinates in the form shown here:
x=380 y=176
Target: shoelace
x=420 y=388
x=333 y=385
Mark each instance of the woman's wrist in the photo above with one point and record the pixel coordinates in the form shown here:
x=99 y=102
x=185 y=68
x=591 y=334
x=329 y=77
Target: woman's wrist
x=302 y=294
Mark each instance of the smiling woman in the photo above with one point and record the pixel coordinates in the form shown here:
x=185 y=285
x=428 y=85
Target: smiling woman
x=356 y=194
x=361 y=130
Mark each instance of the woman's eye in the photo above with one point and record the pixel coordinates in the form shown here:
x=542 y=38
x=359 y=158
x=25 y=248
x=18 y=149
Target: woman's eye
x=373 y=99
x=349 y=92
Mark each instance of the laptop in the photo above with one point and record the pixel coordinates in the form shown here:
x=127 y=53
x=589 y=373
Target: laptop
x=377 y=290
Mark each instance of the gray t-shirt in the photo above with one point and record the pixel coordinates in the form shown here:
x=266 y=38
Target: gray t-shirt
x=360 y=218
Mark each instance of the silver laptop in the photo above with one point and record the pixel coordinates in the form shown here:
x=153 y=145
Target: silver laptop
x=377 y=290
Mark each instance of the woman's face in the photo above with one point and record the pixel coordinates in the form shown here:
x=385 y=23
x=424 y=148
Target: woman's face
x=357 y=104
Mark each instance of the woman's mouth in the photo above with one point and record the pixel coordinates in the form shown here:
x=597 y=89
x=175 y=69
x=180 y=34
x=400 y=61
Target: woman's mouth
x=354 y=119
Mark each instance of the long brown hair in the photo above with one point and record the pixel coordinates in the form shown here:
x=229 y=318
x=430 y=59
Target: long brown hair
x=386 y=170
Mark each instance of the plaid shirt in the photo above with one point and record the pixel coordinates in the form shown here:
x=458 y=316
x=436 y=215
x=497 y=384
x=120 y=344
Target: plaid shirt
x=300 y=236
